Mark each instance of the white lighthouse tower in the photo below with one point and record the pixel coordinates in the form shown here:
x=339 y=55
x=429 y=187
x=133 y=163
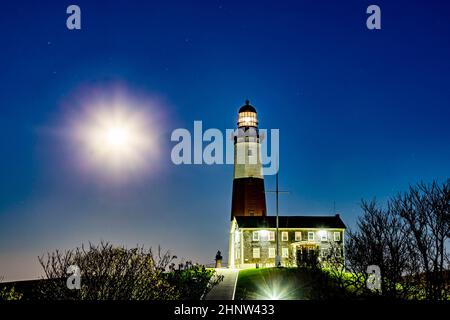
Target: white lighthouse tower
x=248 y=181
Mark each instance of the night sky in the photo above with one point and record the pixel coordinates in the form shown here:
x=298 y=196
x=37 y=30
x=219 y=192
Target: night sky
x=361 y=113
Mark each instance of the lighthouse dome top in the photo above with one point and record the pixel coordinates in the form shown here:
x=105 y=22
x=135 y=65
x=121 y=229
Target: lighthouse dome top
x=247 y=116
x=247 y=107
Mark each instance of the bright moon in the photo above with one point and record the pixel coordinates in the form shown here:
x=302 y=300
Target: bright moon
x=115 y=137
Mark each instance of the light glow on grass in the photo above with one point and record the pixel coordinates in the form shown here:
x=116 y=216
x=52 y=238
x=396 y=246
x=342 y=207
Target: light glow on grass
x=271 y=284
x=276 y=290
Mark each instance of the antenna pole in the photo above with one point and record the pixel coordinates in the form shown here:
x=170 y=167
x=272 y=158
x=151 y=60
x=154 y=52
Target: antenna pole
x=277 y=192
x=277 y=258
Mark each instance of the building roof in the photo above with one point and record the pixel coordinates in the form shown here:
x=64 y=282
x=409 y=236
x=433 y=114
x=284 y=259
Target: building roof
x=332 y=222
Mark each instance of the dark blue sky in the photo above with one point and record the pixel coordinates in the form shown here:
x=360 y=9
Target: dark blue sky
x=361 y=113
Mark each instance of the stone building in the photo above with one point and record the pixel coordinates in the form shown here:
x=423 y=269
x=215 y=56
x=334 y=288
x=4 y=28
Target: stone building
x=253 y=239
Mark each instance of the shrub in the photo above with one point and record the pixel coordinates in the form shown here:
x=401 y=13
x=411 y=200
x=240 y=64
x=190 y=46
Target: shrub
x=10 y=294
x=117 y=273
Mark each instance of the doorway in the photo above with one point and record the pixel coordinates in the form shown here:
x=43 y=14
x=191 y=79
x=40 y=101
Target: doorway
x=307 y=255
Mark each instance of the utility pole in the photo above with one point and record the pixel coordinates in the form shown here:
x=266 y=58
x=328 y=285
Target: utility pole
x=277 y=192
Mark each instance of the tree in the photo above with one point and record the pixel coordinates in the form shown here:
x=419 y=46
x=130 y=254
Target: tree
x=425 y=209
x=407 y=241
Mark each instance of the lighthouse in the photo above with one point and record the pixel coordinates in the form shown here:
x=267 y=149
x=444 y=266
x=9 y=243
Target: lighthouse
x=260 y=240
x=248 y=181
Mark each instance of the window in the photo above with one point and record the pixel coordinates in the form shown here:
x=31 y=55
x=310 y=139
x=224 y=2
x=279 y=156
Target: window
x=236 y=236
x=285 y=252
x=323 y=235
x=271 y=236
x=284 y=236
x=298 y=235
x=337 y=236
x=255 y=236
x=256 y=253
x=310 y=236
x=249 y=152
x=271 y=252
x=263 y=235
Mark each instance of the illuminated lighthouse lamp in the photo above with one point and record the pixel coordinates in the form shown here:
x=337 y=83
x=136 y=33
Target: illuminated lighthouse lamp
x=247 y=116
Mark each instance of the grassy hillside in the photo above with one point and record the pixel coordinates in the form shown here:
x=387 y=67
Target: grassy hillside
x=286 y=284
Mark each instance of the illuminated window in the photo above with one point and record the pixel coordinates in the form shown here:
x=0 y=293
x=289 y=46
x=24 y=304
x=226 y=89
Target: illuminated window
x=271 y=252
x=284 y=236
x=285 y=252
x=263 y=235
x=323 y=235
x=255 y=236
x=271 y=236
x=298 y=235
x=337 y=236
x=310 y=236
x=256 y=253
